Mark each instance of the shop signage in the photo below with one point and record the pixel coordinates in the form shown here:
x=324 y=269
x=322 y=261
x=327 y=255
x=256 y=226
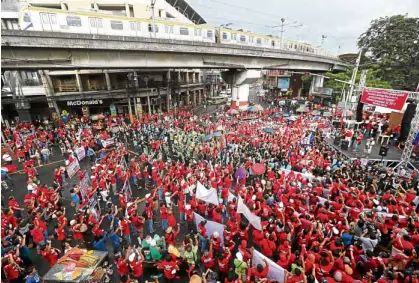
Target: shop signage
x=275 y=73
x=323 y=91
x=384 y=98
x=84 y=102
x=283 y=83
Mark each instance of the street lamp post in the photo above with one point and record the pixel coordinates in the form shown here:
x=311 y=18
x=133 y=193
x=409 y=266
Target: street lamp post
x=146 y=79
x=282 y=31
x=152 y=17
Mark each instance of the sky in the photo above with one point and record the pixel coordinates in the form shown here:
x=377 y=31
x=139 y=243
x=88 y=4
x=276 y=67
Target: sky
x=341 y=21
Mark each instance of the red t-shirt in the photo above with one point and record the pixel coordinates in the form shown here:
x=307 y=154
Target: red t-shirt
x=122 y=267
x=125 y=227
x=11 y=272
x=137 y=268
x=168 y=267
x=51 y=256
x=261 y=274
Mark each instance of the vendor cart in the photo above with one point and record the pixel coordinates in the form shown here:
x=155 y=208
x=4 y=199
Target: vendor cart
x=64 y=273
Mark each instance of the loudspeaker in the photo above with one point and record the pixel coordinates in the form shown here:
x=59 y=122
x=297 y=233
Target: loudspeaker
x=383 y=151
x=408 y=115
x=336 y=141
x=344 y=145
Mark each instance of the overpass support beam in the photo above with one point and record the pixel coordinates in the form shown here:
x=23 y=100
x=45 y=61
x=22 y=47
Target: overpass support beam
x=316 y=82
x=168 y=92
x=108 y=80
x=78 y=81
x=240 y=81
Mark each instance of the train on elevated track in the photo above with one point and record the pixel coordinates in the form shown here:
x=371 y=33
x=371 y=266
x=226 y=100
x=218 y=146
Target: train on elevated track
x=99 y=22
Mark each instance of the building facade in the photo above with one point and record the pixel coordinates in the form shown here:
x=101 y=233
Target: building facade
x=35 y=94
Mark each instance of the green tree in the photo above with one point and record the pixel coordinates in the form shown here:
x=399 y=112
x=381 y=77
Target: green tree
x=393 y=43
x=373 y=80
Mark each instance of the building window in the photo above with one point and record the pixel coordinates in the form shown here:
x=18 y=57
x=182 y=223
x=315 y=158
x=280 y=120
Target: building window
x=234 y=36
x=243 y=38
x=184 y=31
x=210 y=34
x=117 y=25
x=224 y=35
x=150 y=28
x=73 y=21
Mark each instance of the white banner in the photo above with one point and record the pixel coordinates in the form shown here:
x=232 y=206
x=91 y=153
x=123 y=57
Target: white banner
x=108 y=142
x=253 y=219
x=231 y=197
x=72 y=168
x=209 y=196
x=275 y=272
x=81 y=153
x=211 y=227
x=84 y=186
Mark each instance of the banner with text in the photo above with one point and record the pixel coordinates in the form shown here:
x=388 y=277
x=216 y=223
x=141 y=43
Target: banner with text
x=85 y=184
x=384 y=98
x=72 y=168
x=81 y=153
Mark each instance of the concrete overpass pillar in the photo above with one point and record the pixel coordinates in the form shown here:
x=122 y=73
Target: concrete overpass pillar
x=78 y=81
x=95 y=6
x=187 y=77
x=63 y=6
x=128 y=14
x=47 y=83
x=240 y=81
x=168 y=92
x=316 y=82
x=108 y=80
x=188 y=98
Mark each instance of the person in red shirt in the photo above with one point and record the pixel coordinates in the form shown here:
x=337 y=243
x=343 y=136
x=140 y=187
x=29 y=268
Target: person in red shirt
x=125 y=228
x=170 y=236
x=208 y=258
x=122 y=265
x=11 y=269
x=223 y=263
x=260 y=272
x=169 y=268
x=50 y=254
x=136 y=265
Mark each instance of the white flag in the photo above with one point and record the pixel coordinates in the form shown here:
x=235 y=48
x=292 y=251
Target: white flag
x=211 y=227
x=209 y=196
x=275 y=272
x=253 y=219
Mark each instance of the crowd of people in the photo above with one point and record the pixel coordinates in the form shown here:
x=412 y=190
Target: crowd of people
x=311 y=214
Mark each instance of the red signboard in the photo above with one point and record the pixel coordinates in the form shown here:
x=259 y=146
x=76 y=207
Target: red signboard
x=384 y=98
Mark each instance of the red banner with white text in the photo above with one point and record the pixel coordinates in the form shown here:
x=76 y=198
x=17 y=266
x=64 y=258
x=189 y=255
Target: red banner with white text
x=384 y=98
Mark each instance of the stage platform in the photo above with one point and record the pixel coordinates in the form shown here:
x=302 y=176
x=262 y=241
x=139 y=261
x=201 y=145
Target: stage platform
x=393 y=154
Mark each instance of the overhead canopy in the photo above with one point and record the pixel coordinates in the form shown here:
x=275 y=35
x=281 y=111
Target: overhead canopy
x=183 y=7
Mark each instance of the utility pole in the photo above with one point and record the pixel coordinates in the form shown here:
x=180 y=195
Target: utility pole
x=152 y=17
x=282 y=31
x=354 y=73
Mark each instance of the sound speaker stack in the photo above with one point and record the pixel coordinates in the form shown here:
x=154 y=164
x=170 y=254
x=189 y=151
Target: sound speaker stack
x=344 y=145
x=383 y=151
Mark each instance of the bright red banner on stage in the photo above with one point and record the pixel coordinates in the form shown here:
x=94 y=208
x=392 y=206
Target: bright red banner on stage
x=384 y=98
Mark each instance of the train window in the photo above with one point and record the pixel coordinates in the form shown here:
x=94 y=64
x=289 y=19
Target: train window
x=198 y=32
x=285 y=45
x=295 y=46
x=243 y=38
x=266 y=41
x=132 y=26
x=117 y=25
x=26 y=18
x=96 y=22
x=44 y=18
x=273 y=43
x=184 y=31
x=210 y=34
x=150 y=28
x=251 y=39
x=234 y=36
x=53 y=19
x=74 y=21
x=139 y=26
x=224 y=35
x=258 y=40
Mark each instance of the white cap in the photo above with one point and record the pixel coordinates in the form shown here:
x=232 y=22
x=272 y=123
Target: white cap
x=30 y=187
x=188 y=206
x=72 y=222
x=216 y=234
x=291 y=200
x=281 y=204
x=92 y=177
x=335 y=231
x=131 y=257
x=153 y=243
x=148 y=195
x=129 y=204
x=254 y=197
x=376 y=202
